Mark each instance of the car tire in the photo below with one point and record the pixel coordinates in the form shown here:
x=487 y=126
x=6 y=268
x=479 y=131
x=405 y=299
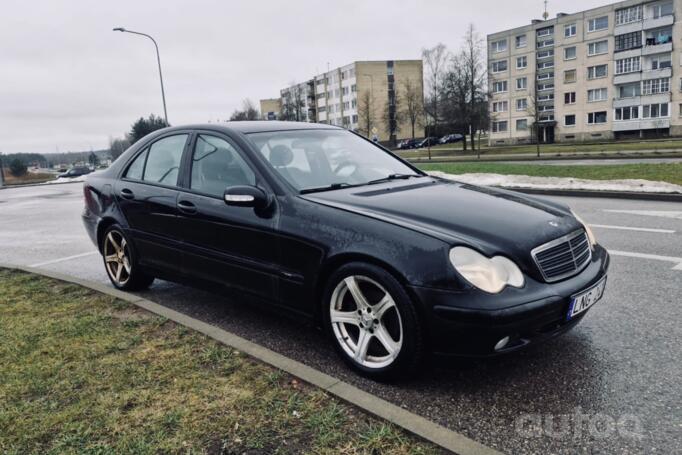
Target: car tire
x=359 y=331
x=120 y=261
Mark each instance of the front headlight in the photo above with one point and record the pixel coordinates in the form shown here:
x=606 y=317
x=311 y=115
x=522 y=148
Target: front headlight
x=590 y=234
x=488 y=274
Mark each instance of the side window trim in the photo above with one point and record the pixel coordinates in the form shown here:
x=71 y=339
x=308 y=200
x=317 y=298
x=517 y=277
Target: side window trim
x=147 y=147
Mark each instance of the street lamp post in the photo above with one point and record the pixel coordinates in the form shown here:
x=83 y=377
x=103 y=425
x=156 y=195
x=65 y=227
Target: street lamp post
x=158 y=61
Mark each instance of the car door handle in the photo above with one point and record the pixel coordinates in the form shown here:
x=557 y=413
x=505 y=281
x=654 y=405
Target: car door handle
x=187 y=207
x=127 y=194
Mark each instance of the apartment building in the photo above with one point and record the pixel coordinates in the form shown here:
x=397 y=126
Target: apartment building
x=350 y=95
x=605 y=73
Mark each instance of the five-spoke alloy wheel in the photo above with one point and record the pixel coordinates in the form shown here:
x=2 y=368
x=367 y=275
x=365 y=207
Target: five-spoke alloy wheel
x=119 y=262
x=372 y=321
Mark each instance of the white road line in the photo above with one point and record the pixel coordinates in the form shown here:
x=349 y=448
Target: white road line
x=67 y=258
x=629 y=228
x=655 y=257
x=662 y=213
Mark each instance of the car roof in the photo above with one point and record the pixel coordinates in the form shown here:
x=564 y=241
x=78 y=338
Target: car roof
x=258 y=126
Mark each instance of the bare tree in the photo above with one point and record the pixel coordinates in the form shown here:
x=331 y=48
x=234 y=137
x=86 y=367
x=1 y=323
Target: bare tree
x=473 y=59
x=413 y=105
x=248 y=112
x=435 y=62
x=293 y=103
x=117 y=146
x=366 y=113
x=534 y=112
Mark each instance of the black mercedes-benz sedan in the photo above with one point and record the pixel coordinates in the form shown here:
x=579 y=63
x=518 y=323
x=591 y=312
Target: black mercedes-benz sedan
x=324 y=224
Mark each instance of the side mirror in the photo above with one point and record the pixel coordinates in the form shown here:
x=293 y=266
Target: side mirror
x=246 y=196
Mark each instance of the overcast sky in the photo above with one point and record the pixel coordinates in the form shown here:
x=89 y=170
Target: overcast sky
x=67 y=82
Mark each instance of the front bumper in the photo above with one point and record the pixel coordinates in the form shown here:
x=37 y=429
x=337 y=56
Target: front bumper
x=471 y=323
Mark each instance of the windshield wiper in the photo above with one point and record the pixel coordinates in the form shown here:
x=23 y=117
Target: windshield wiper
x=390 y=177
x=333 y=186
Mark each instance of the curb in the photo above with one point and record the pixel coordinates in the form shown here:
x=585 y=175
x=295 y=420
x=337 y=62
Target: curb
x=45 y=184
x=415 y=424
x=548 y=157
x=661 y=197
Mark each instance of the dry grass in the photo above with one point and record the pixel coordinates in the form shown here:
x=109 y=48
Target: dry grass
x=86 y=373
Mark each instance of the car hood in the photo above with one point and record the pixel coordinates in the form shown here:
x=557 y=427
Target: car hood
x=493 y=220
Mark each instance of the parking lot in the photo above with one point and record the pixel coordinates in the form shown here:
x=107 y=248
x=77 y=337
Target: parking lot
x=611 y=385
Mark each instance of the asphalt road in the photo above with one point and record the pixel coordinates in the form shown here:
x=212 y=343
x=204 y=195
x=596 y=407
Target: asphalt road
x=612 y=385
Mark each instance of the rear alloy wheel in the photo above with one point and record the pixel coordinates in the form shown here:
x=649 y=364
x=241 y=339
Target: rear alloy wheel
x=372 y=322
x=119 y=262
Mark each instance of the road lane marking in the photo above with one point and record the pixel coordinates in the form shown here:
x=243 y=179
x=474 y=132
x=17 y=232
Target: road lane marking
x=67 y=258
x=662 y=213
x=629 y=228
x=677 y=261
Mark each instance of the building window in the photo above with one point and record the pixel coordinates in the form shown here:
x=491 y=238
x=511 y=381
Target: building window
x=662 y=9
x=628 y=65
x=545 y=65
x=353 y=88
x=629 y=90
x=570 y=53
x=500 y=86
x=570 y=30
x=500 y=106
x=545 y=43
x=594 y=118
x=543 y=76
x=660 y=36
x=569 y=120
x=500 y=127
x=521 y=41
x=597 y=48
x=653 y=86
x=655 y=110
x=355 y=119
x=522 y=83
x=627 y=113
x=354 y=103
x=543 y=87
x=322 y=109
x=627 y=15
x=498 y=46
x=661 y=61
x=546 y=54
x=522 y=124
x=598 y=23
x=569 y=98
x=595 y=72
x=521 y=104
x=628 y=41
x=344 y=91
x=597 y=94
x=499 y=66
x=569 y=76
x=545 y=31
x=521 y=62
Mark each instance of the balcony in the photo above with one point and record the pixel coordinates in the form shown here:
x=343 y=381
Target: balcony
x=625 y=102
x=641 y=124
x=627 y=78
x=657 y=73
x=656 y=98
x=654 y=46
x=662 y=21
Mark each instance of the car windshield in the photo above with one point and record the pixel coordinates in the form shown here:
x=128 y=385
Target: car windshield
x=317 y=160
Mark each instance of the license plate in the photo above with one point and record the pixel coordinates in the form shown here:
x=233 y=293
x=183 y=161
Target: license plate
x=581 y=302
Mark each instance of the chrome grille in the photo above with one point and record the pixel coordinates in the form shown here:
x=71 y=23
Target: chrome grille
x=563 y=257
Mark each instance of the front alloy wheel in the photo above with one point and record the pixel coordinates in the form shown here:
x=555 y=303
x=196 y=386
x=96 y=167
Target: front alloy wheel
x=372 y=321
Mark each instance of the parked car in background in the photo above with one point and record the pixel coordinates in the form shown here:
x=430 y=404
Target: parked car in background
x=75 y=172
x=450 y=138
x=428 y=142
x=408 y=144
x=329 y=227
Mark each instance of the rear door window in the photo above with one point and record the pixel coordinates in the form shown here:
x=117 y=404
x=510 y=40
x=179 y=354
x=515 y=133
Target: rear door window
x=216 y=165
x=163 y=162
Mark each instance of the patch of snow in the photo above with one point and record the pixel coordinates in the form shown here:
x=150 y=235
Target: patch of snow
x=80 y=178
x=561 y=183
